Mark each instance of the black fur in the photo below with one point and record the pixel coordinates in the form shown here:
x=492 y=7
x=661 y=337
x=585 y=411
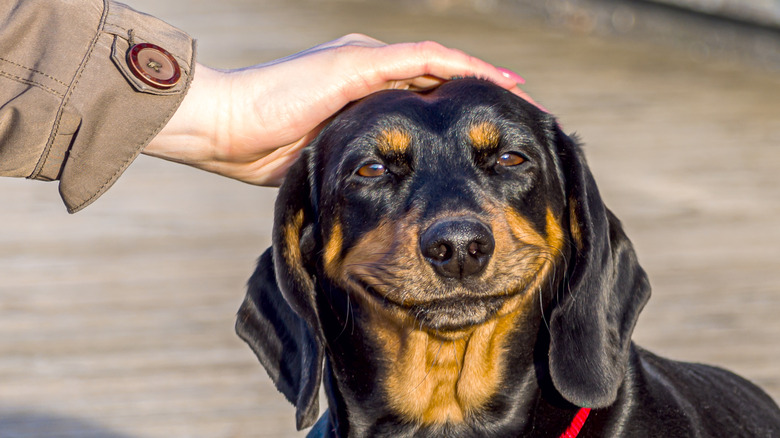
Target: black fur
x=571 y=348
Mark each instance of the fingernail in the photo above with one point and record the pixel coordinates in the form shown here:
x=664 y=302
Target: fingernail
x=509 y=74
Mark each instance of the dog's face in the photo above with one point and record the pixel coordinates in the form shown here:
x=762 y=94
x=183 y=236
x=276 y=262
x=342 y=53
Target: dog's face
x=420 y=242
x=443 y=208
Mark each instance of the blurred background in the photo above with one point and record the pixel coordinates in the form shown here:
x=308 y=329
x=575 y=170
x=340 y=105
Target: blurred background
x=118 y=321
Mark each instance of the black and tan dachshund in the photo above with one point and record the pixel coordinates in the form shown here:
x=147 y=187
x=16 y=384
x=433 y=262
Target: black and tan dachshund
x=444 y=263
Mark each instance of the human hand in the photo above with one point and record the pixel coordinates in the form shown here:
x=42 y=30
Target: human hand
x=250 y=124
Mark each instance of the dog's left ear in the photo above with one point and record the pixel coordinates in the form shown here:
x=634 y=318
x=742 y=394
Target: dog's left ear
x=601 y=296
x=278 y=318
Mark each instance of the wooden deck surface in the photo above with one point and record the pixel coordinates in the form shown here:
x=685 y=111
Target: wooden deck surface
x=118 y=321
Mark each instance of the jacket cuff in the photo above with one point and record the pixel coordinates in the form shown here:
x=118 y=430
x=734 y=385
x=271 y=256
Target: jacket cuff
x=111 y=110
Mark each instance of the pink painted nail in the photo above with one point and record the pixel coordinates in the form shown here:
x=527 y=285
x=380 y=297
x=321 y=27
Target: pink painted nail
x=509 y=74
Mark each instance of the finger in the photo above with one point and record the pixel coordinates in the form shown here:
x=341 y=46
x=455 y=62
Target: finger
x=511 y=75
x=413 y=60
x=522 y=94
x=424 y=82
x=415 y=84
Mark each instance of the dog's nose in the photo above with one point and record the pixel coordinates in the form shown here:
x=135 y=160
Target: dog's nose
x=457 y=248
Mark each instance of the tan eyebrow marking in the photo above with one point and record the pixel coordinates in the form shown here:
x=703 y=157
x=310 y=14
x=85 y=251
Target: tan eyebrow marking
x=394 y=141
x=484 y=135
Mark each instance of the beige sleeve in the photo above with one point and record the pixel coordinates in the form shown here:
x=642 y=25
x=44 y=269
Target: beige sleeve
x=71 y=109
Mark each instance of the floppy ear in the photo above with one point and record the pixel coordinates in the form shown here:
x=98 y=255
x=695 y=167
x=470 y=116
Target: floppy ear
x=601 y=297
x=278 y=319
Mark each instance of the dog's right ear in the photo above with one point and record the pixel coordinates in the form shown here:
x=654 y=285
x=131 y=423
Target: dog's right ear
x=278 y=318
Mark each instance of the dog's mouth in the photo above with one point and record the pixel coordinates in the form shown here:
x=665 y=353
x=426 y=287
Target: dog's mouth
x=456 y=314
x=444 y=315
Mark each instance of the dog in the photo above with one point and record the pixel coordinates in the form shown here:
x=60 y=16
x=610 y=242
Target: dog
x=444 y=262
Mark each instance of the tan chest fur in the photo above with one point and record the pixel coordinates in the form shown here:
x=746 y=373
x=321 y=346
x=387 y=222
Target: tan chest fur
x=437 y=379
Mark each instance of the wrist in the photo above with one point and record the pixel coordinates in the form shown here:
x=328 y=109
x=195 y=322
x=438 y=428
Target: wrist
x=191 y=136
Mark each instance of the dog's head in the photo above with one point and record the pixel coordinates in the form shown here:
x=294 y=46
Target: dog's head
x=443 y=213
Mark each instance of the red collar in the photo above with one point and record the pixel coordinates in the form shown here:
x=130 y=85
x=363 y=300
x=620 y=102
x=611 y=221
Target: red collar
x=576 y=423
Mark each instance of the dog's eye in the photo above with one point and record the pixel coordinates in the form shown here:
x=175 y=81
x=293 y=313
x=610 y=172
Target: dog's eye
x=510 y=159
x=372 y=170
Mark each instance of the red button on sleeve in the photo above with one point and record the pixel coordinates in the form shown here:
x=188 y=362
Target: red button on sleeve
x=153 y=65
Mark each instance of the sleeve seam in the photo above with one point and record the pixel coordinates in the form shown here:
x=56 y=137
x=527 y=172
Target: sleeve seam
x=69 y=92
x=34 y=71
x=33 y=83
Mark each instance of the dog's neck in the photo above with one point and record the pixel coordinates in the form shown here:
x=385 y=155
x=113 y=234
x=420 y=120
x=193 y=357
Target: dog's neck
x=438 y=378
x=435 y=380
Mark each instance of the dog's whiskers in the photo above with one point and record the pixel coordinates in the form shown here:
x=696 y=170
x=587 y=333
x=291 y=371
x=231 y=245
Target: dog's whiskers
x=347 y=320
